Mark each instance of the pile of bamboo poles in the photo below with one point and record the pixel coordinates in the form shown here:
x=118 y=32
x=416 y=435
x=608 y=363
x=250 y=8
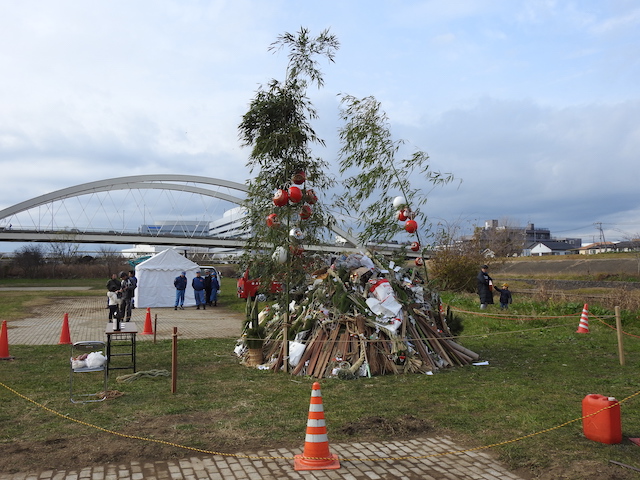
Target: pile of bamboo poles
x=316 y=338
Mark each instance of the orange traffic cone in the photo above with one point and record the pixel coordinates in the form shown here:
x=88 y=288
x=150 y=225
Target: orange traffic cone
x=148 y=328
x=65 y=337
x=4 y=343
x=316 y=455
x=583 y=327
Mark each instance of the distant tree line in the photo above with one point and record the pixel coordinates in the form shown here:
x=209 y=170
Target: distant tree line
x=61 y=260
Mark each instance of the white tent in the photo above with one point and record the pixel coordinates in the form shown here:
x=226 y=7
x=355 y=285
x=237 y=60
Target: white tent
x=155 y=279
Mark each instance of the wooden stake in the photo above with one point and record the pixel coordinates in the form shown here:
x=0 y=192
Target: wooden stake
x=174 y=360
x=155 y=328
x=620 y=338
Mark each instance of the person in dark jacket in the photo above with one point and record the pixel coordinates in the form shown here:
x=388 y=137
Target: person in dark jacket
x=180 y=282
x=198 y=291
x=126 y=288
x=215 y=286
x=485 y=285
x=207 y=286
x=505 y=296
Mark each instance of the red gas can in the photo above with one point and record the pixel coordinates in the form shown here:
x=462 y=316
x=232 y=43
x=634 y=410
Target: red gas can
x=605 y=426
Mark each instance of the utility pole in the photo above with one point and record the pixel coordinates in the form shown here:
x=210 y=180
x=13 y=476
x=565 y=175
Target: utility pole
x=602 y=240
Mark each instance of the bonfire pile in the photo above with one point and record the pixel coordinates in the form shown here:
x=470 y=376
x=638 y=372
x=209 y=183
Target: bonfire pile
x=356 y=318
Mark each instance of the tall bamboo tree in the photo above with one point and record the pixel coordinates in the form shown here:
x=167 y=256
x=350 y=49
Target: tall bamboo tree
x=374 y=176
x=278 y=128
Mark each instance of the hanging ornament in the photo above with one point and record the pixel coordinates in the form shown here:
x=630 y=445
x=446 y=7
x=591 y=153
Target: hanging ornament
x=296 y=233
x=295 y=194
x=310 y=197
x=279 y=255
x=415 y=246
x=419 y=262
x=305 y=212
x=273 y=221
x=299 y=178
x=402 y=215
x=399 y=202
x=411 y=226
x=280 y=198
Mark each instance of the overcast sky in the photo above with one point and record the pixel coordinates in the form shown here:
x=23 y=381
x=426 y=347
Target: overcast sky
x=533 y=105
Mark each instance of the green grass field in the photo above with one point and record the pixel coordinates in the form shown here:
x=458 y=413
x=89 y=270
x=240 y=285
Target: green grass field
x=526 y=401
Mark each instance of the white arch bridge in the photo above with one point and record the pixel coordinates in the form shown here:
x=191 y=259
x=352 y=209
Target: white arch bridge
x=142 y=209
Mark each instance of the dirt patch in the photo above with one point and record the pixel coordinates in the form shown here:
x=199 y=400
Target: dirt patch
x=101 y=448
x=380 y=427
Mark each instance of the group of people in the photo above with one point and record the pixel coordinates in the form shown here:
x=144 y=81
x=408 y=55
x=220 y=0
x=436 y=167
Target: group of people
x=205 y=289
x=120 y=295
x=486 y=287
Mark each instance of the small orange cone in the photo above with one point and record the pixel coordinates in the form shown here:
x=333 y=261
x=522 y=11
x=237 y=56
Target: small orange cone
x=148 y=328
x=583 y=327
x=65 y=337
x=316 y=455
x=4 y=343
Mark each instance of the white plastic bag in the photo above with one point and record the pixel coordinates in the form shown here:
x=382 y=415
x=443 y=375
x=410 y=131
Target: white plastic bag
x=95 y=360
x=296 y=349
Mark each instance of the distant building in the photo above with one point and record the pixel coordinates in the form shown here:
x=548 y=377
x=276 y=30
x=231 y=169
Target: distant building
x=551 y=248
x=598 y=247
x=535 y=241
x=230 y=225
x=176 y=228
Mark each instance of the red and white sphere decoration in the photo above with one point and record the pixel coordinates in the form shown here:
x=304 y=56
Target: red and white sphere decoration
x=402 y=215
x=299 y=177
x=295 y=194
x=419 y=262
x=296 y=233
x=415 y=246
x=310 y=197
x=280 y=198
x=411 y=226
x=273 y=221
x=305 y=212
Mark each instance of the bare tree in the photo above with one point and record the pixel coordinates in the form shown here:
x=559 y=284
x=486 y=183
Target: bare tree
x=64 y=251
x=30 y=259
x=111 y=259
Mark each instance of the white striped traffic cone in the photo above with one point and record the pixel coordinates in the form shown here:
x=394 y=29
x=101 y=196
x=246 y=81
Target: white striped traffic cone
x=583 y=327
x=316 y=455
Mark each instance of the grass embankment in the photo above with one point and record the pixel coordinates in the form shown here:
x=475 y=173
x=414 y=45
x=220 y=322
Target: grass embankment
x=539 y=371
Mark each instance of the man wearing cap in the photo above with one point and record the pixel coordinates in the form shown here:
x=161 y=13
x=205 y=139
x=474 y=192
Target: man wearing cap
x=198 y=290
x=485 y=287
x=180 y=283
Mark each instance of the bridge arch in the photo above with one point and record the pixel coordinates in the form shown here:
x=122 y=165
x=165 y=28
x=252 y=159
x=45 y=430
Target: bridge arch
x=154 y=181
x=137 y=182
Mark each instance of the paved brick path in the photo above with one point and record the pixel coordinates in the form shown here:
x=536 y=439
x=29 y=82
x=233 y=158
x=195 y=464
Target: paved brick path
x=87 y=321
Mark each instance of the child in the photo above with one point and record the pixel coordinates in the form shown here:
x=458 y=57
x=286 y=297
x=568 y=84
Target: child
x=114 y=304
x=505 y=296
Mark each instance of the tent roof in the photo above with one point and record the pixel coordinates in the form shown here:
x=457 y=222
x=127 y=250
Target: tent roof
x=168 y=260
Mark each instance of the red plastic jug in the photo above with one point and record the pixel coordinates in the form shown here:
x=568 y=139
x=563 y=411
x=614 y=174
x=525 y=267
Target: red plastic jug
x=605 y=426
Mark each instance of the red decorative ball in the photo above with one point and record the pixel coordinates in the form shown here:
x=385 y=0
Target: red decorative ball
x=273 y=221
x=305 y=212
x=281 y=198
x=299 y=178
x=415 y=246
x=411 y=226
x=295 y=194
x=419 y=262
x=402 y=215
x=310 y=197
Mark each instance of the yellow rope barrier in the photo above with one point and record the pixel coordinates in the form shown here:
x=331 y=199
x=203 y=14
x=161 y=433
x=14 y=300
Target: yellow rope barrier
x=257 y=457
